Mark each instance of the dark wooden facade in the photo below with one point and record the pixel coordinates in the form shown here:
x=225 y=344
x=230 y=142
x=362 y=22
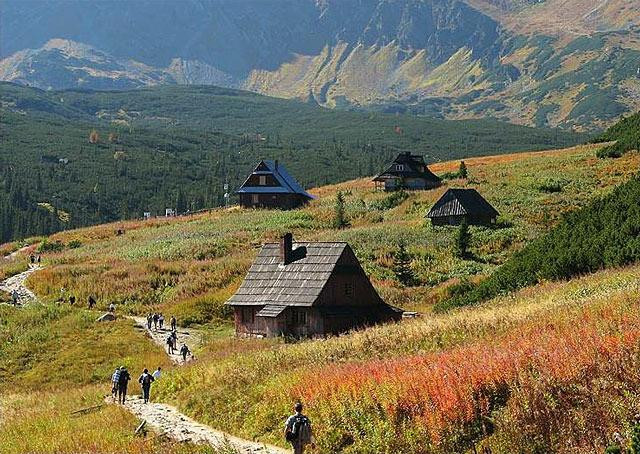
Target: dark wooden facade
x=307 y=290
x=457 y=205
x=407 y=171
x=271 y=186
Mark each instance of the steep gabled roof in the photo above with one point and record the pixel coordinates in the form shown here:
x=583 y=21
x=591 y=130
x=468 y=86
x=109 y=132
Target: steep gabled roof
x=460 y=202
x=288 y=184
x=299 y=283
x=414 y=167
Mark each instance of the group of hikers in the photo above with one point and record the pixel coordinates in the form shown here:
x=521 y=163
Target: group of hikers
x=157 y=321
x=34 y=259
x=120 y=381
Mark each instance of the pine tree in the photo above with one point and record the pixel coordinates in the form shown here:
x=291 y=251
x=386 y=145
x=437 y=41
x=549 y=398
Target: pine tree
x=463 y=240
x=402 y=265
x=635 y=437
x=340 y=219
x=181 y=202
x=462 y=170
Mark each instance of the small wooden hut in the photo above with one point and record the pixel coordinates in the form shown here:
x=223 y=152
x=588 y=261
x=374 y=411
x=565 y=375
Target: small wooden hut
x=407 y=171
x=307 y=289
x=458 y=204
x=271 y=186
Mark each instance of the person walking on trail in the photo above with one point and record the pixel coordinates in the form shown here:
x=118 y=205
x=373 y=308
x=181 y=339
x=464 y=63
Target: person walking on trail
x=39 y=259
x=112 y=308
x=115 y=380
x=184 y=351
x=123 y=382
x=155 y=321
x=72 y=300
x=170 y=348
x=297 y=430
x=15 y=297
x=145 y=381
x=157 y=373
x=174 y=337
x=160 y=320
x=91 y=302
x=149 y=321
x=174 y=323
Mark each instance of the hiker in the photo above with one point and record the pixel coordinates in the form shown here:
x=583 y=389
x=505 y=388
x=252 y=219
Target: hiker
x=115 y=379
x=184 y=351
x=15 y=297
x=72 y=300
x=145 y=380
x=174 y=336
x=155 y=321
x=32 y=259
x=149 y=321
x=39 y=258
x=170 y=347
x=174 y=323
x=91 y=301
x=160 y=320
x=112 y=308
x=297 y=430
x=123 y=382
x=63 y=293
x=157 y=373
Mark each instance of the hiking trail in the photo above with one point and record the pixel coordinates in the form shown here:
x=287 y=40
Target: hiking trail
x=167 y=420
x=17 y=282
x=190 y=337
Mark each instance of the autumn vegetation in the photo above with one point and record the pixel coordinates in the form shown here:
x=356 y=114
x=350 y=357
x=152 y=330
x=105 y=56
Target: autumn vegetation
x=546 y=366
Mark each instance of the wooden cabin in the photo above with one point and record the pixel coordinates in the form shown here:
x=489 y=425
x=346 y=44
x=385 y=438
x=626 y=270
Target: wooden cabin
x=307 y=290
x=458 y=204
x=271 y=186
x=407 y=171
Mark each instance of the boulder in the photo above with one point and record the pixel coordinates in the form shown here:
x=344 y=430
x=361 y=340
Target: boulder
x=108 y=317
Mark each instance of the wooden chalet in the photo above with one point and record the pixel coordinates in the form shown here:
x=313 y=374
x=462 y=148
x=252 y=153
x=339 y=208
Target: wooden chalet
x=307 y=289
x=458 y=204
x=407 y=171
x=271 y=186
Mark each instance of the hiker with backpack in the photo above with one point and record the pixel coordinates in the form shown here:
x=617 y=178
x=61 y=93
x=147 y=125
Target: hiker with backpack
x=184 y=351
x=115 y=379
x=297 y=430
x=155 y=321
x=170 y=348
x=174 y=323
x=15 y=297
x=91 y=302
x=149 y=321
x=145 y=381
x=123 y=382
x=174 y=336
x=160 y=320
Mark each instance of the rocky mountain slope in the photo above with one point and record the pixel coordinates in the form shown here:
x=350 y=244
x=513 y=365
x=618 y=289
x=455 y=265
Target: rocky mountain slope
x=538 y=62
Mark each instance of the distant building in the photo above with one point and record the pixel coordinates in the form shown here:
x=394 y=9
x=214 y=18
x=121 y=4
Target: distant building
x=458 y=204
x=307 y=289
x=271 y=186
x=407 y=171
x=147 y=215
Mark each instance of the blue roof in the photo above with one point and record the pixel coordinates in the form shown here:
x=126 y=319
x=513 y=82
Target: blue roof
x=288 y=184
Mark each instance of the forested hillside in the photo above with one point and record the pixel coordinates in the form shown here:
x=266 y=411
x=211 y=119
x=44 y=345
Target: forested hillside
x=74 y=158
x=625 y=133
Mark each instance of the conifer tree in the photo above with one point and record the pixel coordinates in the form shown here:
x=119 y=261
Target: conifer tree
x=402 y=265
x=463 y=240
x=462 y=170
x=339 y=218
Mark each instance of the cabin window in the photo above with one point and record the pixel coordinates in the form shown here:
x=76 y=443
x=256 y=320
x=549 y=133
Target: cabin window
x=246 y=315
x=299 y=317
x=263 y=180
x=399 y=167
x=348 y=289
x=255 y=199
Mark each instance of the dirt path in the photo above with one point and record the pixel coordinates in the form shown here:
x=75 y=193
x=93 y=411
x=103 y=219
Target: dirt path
x=190 y=337
x=17 y=283
x=167 y=420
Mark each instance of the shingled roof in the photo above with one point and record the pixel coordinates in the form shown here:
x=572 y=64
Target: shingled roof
x=288 y=184
x=413 y=167
x=269 y=282
x=461 y=202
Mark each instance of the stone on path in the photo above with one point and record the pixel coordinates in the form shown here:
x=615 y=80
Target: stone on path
x=107 y=317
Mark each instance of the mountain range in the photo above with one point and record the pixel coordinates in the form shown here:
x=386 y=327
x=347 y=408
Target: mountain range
x=573 y=64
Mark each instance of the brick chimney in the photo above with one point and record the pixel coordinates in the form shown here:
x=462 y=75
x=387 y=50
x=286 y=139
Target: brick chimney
x=286 y=249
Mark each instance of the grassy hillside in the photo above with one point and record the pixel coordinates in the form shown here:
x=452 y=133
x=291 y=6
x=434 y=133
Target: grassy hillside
x=555 y=361
x=191 y=265
x=177 y=147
